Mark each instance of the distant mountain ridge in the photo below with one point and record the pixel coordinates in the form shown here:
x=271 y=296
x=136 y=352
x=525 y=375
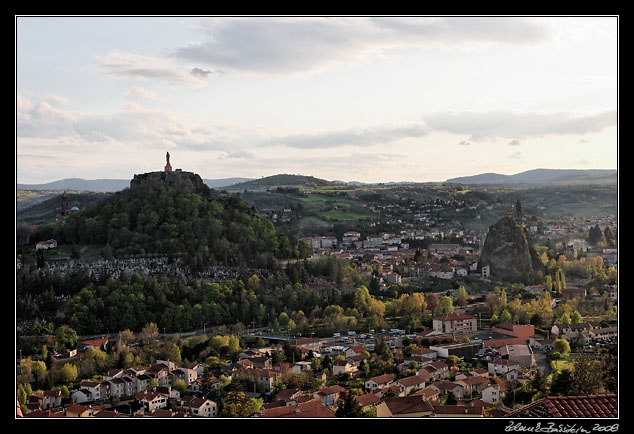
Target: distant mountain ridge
x=530 y=177
x=111 y=185
x=541 y=177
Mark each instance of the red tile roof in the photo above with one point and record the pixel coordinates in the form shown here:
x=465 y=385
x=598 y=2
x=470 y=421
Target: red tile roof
x=591 y=406
x=454 y=316
x=305 y=409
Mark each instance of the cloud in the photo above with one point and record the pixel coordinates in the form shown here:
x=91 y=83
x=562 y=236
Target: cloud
x=235 y=155
x=514 y=143
x=285 y=46
x=464 y=143
x=366 y=136
x=131 y=66
x=517 y=125
x=138 y=92
x=136 y=126
x=202 y=73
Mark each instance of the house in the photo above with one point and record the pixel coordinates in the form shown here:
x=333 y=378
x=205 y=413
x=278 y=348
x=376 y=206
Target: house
x=354 y=351
x=603 y=333
x=458 y=411
x=92 y=343
x=77 y=410
x=495 y=392
x=368 y=400
x=343 y=366
x=561 y=330
x=143 y=381
x=105 y=414
x=445 y=387
x=428 y=394
x=421 y=355
x=411 y=383
x=329 y=395
x=265 y=377
x=288 y=396
x=592 y=406
x=185 y=374
x=473 y=384
x=199 y=406
x=572 y=293
x=117 y=387
x=46 y=400
x=310 y=409
x=455 y=323
x=81 y=395
x=152 y=400
x=501 y=366
x=434 y=370
x=521 y=354
x=198 y=385
x=375 y=384
x=535 y=289
x=406 y=406
x=45 y=245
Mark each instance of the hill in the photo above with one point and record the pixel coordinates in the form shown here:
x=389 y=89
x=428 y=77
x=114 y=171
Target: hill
x=110 y=185
x=174 y=214
x=49 y=207
x=542 y=177
x=283 y=181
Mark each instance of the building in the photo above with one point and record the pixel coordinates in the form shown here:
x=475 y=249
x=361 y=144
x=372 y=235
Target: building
x=45 y=245
x=591 y=406
x=455 y=323
x=525 y=332
x=521 y=354
x=463 y=350
x=406 y=406
x=199 y=406
x=375 y=384
x=502 y=366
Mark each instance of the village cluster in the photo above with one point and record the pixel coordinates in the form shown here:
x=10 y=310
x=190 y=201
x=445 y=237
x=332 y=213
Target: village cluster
x=511 y=353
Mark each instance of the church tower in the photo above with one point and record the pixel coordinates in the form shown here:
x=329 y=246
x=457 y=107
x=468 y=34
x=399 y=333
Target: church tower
x=168 y=166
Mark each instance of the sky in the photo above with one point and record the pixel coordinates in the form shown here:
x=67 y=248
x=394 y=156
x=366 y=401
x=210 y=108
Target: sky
x=350 y=98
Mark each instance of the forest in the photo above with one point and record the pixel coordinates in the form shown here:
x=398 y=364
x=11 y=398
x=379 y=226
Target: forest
x=160 y=219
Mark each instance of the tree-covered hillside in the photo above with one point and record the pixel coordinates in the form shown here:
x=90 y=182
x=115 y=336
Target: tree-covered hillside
x=158 y=218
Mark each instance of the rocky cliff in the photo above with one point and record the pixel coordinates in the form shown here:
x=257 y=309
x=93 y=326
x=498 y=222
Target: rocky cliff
x=510 y=253
x=186 y=182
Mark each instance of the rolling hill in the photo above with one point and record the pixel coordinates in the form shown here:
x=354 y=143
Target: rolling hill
x=110 y=185
x=542 y=177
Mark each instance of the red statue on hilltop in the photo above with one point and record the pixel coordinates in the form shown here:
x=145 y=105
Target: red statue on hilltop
x=168 y=166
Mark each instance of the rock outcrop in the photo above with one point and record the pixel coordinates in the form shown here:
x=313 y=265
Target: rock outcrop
x=509 y=252
x=187 y=182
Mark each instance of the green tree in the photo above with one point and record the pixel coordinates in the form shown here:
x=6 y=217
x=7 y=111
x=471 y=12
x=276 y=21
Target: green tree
x=446 y=305
x=237 y=404
x=587 y=376
x=349 y=407
x=562 y=383
x=181 y=386
x=38 y=368
x=68 y=373
x=561 y=346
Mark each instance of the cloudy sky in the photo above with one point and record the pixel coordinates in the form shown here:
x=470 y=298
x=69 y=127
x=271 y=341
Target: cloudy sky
x=372 y=99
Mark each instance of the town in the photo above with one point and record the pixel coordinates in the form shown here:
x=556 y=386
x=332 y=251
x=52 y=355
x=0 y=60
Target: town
x=455 y=367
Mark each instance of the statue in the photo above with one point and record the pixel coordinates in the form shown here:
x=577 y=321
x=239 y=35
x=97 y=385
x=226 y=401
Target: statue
x=168 y=166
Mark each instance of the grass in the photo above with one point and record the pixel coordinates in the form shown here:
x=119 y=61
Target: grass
x=563 y=363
